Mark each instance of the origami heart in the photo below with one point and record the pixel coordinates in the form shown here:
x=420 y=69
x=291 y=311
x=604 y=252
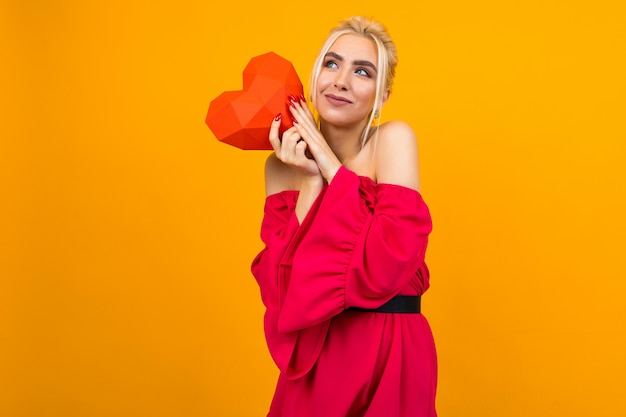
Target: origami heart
x=243 y=118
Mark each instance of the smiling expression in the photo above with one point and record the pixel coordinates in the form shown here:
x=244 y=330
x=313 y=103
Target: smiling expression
x=346 y=86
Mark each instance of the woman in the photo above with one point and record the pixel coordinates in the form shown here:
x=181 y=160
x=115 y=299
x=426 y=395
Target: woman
x=346 y=230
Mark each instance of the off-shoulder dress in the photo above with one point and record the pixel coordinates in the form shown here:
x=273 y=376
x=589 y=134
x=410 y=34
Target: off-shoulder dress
x=360 y=244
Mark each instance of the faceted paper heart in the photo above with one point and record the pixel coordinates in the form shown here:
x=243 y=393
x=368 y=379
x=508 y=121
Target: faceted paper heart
x=243 y=118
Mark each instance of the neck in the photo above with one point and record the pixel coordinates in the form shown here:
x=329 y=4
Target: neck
x=344 y=141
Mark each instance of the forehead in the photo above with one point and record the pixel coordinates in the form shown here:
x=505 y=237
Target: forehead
x=355 y=47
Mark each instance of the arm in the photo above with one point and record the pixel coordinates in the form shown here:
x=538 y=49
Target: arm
x=294 y=352
x=278 y=228
x=397 y=160
x=366 y=242
x=290 y=164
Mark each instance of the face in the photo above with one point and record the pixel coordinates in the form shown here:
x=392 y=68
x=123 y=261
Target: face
x=346 y=86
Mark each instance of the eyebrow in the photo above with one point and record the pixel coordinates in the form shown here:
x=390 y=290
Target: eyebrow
x=362 y=63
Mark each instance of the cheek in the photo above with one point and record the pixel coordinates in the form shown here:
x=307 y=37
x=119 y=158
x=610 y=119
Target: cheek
x=322 y=82
x=365 y=92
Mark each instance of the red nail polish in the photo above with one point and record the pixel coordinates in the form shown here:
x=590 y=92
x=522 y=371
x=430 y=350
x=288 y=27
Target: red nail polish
x=291 y=103
x=292 y=97
x=278 y=117
x=302 y=98
x=295 y=122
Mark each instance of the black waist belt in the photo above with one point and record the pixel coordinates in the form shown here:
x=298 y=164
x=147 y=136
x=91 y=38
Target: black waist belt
x=398 y=304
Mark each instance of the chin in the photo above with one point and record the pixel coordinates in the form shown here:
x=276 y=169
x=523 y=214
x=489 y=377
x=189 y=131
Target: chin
x=338 y=117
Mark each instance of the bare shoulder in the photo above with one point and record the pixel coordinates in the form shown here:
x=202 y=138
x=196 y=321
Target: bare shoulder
x=398 y=135
x=278 y=176
x=397 y=159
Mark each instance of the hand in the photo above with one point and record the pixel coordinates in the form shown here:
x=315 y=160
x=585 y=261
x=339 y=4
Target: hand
x=306 y=127
x=290 y=149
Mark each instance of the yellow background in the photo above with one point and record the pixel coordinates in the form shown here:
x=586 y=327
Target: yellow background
x=127 y=230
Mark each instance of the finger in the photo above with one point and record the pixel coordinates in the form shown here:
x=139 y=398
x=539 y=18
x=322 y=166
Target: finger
x=295 y=105
x=305 y=107
x=301 y=147
x=304 y=121
x=302 y=150
x=299 y=107
x=286 y=140
x=290 y=136
x=308 y=132
x=298 y=116
x=300 y=104
x=303 y=117
x=274 y=128
x=289 y=141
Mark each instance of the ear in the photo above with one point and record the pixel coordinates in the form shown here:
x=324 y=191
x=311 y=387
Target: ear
x=383 y=100
x=385 y=96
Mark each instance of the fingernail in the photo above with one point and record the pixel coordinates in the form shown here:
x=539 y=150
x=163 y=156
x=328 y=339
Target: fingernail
x=278 y=117
x=292 y=97
x=302 y=98
x=295 y=122
x=292 y=104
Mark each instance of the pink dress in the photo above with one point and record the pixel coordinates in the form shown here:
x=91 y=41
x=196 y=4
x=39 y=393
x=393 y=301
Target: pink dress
x=361 y=244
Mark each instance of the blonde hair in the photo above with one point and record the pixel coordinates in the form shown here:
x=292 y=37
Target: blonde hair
x=387 y=59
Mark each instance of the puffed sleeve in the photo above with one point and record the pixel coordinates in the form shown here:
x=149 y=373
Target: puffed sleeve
x=364 y=244
x=294 y=352
x=278 y=228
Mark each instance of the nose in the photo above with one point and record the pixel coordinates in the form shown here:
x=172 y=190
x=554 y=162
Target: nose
x=340 y=85
x=340 y=81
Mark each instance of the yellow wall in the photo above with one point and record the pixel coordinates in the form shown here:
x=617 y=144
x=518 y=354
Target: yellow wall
x=127 y=230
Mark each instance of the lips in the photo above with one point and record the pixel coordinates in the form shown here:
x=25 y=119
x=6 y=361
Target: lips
x=337 y=100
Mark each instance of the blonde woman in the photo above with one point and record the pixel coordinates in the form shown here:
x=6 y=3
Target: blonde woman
x=345 y=232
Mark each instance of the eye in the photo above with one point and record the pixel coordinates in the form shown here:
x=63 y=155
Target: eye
x=363 y=71
x=331 y=64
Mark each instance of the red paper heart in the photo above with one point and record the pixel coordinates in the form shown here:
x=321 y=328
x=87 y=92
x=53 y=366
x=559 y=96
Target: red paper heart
x=243 y=118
